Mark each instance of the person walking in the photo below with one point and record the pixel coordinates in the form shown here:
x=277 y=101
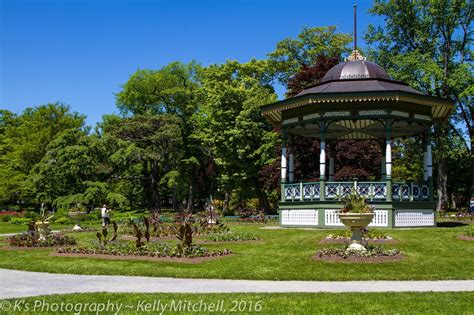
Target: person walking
x=105 y=215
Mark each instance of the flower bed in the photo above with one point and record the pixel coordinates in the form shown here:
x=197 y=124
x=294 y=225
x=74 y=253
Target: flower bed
x=231 y=237
x=148 y=250
x=366 y=234
x=373 y=253
x=32 y=240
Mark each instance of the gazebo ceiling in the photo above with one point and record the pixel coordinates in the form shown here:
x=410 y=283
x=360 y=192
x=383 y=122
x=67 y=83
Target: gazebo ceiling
x=358 y=86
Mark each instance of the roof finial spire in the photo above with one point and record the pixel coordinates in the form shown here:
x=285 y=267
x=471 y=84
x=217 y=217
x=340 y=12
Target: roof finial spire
x=355 y=55
x=355 y=26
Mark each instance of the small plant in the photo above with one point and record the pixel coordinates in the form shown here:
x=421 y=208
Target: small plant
x=469 y=231
x=44 y=216
x=231 y=237
x=369 y=234
x=138 y=232
x=32 y=240
x=355 y=203
x=184 y=232
x=345 y=252
x=103 y=236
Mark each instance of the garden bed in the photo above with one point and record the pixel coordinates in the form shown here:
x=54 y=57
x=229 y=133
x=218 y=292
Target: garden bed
x=194 y=260
x=31 y=240
x=155 y=250
x=372 y=254
x=357 y=259
x=466 y=238
x=330 y=240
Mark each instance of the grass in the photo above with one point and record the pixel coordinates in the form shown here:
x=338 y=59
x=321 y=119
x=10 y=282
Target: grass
x=283 y=254
x=7 y=227
x=281 y=303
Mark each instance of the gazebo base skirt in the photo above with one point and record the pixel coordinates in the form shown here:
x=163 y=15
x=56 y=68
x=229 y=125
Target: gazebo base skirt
x=323 y=214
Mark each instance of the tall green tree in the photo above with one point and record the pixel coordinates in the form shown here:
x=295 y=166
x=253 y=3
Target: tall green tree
x=232 y=130
x=23 y=142
x=313 y=43
x=428 y=44
x=170 y=90
x=156 y=143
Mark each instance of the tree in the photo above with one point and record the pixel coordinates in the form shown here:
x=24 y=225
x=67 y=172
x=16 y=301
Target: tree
x=310 y=75
x=170 y=90
x=23 y=143
x=427 y=44
x=232 y=130
x=155 y=141
x=312 y=44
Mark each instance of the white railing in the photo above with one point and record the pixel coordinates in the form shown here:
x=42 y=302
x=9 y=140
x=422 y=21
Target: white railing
x=331 y=218
x=373 y=191
x=414 y=218
x=299 y=217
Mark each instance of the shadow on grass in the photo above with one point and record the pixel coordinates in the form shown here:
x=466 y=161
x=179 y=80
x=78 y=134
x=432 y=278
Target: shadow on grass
x=451 y=224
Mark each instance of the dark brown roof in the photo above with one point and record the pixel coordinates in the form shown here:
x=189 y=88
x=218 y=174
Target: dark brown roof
x=357 y=76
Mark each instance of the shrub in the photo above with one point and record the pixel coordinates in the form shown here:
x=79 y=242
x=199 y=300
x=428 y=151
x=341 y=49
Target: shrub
x=32 y=240
x=148 y=250
x=372 y=251
x=231 y=237
x=20 y=221
x=62 y=220
x=369 y=234
x=469 y=231
x=6 y=218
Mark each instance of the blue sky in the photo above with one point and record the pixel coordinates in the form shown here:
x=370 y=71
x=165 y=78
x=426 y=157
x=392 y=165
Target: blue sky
x=79 y=52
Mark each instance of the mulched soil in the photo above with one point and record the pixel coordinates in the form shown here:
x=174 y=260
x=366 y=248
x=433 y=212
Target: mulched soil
x=152 y=239
x=196 y=260
x=197 y=238
x=28 y=248
x=348 y=240
x=355 y=259
x=466 y=238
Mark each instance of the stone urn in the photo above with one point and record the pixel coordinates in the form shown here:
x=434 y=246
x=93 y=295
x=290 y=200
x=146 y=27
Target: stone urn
x=356 y=221
x=42 y=227
x=77 y=217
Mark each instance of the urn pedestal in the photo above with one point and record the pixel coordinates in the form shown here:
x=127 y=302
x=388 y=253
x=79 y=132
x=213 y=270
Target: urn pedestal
x=356 y=221
x=77 y=217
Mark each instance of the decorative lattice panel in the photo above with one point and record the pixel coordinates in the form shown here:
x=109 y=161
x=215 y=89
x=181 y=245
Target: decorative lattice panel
x=380 y=218
x=410 y=218
x=331 y=218
x=299 y=217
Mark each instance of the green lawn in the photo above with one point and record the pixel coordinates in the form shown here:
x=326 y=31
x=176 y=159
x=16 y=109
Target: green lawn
x=7 y=227
x=282 y=303
x=284 y=254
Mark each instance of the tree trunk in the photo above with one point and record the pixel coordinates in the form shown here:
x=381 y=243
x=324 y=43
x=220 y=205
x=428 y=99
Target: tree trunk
x=442 y=186
x=472 y=157
x=153 y=191
x=225 y=206
x=264 y=205
x=190 y=203
x=174 y=200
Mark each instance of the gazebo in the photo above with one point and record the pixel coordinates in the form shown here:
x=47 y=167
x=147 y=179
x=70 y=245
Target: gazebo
x=356 y=100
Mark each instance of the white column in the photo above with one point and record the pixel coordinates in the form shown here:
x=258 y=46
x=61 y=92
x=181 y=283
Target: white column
x=331 y=169
x=388 y=158
x=283 y=163
x=291 y=168
x=322 y=159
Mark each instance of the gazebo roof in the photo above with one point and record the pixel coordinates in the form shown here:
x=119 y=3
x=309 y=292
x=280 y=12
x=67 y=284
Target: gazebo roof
x=357 y=81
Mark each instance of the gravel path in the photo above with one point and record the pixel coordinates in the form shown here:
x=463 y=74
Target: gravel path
x=16 y=284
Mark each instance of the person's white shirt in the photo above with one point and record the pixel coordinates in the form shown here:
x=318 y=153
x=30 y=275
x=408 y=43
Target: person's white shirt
x=104 y=212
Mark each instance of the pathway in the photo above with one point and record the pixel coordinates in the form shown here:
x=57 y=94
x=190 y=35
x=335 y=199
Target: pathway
x=16 y=284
